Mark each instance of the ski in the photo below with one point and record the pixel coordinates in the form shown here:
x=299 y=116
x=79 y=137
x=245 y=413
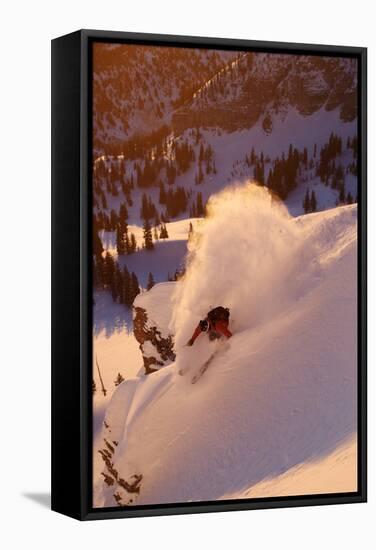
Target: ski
x=207 y=363
x=203 y=368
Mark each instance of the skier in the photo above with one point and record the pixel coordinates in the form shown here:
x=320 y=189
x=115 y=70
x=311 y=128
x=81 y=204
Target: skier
x=215 y=324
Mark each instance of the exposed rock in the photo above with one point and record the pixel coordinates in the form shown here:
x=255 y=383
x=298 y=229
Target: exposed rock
x=123 y=490
x=157 y=350
x=256 y=86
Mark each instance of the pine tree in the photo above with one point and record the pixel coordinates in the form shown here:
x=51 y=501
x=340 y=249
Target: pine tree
x=97 y=244
x=148 y=238
x=305 y=157
x=151 y=281
x=253 y=156
x=120 y=241
x=113 y=220
x=163 y=233
x=133 y=244
x=134 y=288
x=306 y=202
x=98 y=272
x=190 y=230
x=126 y=239
x=341 y=196
x=108 y=270
x=200 y=207
x=123 y=214
x=201 y=153
x=313 y=202
x=119 y=379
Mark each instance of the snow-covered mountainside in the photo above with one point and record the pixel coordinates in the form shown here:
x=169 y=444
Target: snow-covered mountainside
x=137 y=88
x=258 y=86
x=276 y=404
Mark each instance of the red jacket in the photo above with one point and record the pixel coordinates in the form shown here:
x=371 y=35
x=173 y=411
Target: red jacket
x=219 y=326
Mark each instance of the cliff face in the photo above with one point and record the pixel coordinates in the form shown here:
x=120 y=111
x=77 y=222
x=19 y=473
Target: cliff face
x=157 y=350
x=151 y=326
x=261 y=86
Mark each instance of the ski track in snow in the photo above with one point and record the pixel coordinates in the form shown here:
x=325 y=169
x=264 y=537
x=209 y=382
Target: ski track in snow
x=283 y=395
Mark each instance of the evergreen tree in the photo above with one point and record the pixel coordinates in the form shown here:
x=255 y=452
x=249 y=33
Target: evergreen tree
x=113 y=220
x=98 y=270
x=305 y=157
x=190 y=230
x=313 y=202
x=201 y=153
x=133 y=244
x=151 y=281
x=126 y=239
x=163 y=233
x=120 y=241
x=123 y=214
x=253 y=156
x=148 y=238
x=119 y=379
x=162 y=194
x=97 y=244
x=306 y=202
x=108 y=270
x=341 y=195
x=134 y=287
x=200 y=206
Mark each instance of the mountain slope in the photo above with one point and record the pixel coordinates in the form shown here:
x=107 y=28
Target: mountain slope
x=283 y=394
x=260 y=86
x=137 y=87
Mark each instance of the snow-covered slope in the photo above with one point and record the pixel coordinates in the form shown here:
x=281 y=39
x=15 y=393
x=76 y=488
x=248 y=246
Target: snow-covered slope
x=282 y=394
x=167 y=256
x=335 y=473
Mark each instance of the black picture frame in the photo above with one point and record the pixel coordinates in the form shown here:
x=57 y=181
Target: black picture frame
x=71 y=275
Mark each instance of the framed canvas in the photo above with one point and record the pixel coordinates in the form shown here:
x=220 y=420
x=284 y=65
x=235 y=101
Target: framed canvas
x=208 y=274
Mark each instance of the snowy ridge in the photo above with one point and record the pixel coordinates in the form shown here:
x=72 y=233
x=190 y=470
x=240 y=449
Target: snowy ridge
x=282 y=395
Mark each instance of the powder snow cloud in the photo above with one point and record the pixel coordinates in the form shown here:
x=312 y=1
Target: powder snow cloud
x=246 y=255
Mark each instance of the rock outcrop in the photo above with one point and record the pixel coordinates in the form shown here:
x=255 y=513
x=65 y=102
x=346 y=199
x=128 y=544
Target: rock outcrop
x=151 y=320
x=157 y=350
